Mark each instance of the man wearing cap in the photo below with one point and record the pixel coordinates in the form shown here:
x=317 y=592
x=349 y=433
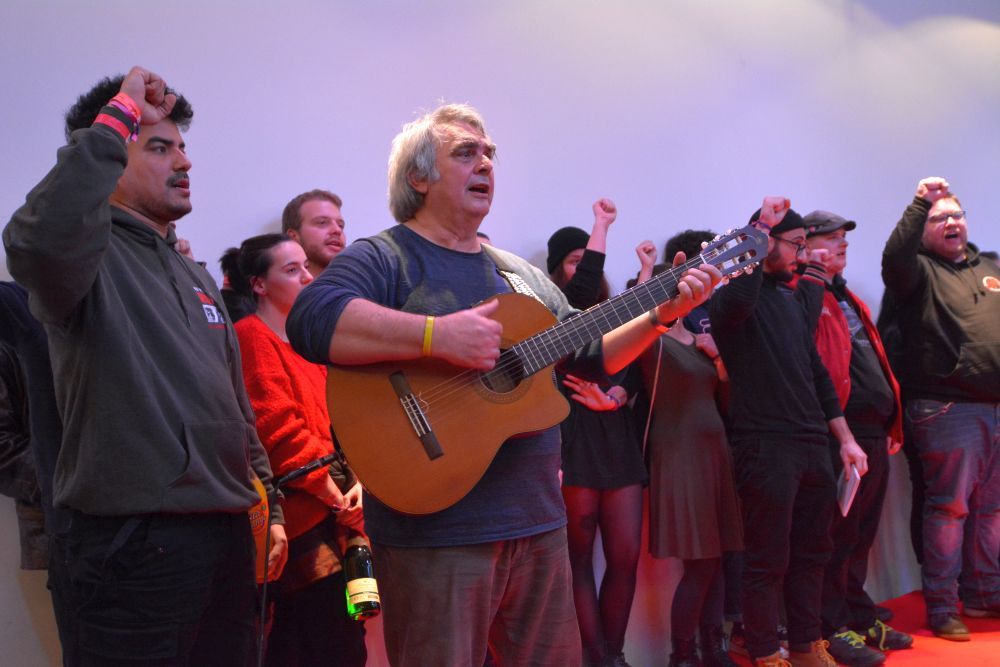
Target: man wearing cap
x=852 y=352
x=783 y=406
x=948 y=306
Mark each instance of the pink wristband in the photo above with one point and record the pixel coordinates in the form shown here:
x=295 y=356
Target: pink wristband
x=128 y=105
x=114 y=124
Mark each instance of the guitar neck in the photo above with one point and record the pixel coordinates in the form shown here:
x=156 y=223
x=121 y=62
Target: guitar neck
x=549 y=346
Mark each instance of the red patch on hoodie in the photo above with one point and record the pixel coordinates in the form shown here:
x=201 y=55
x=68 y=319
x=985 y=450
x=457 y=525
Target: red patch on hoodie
x=212 y=313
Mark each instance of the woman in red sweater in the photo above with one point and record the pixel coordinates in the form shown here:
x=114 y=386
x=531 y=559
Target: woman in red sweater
x=311 y=625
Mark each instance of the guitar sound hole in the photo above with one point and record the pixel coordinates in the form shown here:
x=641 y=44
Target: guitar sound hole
x=506 y=375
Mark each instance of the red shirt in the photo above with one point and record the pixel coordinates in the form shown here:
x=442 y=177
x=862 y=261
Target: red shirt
x=288 y=395
x=833 y=341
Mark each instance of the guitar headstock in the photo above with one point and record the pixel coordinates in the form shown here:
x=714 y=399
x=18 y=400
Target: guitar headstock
x=736 y=251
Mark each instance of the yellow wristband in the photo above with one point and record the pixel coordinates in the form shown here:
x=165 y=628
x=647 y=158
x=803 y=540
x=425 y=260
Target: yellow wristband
x=428 y=335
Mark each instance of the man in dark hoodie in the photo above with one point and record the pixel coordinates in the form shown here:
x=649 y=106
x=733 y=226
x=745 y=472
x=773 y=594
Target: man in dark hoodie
x=948 y=309
x=159 y=449
x=782 y=407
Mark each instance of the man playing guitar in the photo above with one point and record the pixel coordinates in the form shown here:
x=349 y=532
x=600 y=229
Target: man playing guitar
x=491 y=571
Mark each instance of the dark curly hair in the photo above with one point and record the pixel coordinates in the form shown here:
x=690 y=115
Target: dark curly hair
x=689 y=242
x=88 y=105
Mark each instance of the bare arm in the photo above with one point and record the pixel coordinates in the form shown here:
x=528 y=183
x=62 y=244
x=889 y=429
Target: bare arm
x=604 y=214
x=646 y=252
x=625 y=343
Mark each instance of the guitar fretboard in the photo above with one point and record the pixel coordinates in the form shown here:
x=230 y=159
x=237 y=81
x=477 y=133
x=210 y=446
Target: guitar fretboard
x=547 y=347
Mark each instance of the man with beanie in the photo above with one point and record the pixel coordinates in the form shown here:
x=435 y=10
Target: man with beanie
x=782 y=405
x=948 y=307
x=852 y=352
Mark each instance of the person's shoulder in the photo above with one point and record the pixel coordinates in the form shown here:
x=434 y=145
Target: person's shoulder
x=251 y=329
x=13 y=294
x=509 y=261
x=386 y=243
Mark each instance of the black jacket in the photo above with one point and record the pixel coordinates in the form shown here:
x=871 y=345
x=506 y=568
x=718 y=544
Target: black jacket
x=948 y=314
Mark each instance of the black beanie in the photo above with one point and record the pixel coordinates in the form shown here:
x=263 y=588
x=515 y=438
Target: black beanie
x=562 y=243
x=792 y=220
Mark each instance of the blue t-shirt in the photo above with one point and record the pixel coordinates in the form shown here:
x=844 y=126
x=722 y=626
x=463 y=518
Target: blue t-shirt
x=519 y=494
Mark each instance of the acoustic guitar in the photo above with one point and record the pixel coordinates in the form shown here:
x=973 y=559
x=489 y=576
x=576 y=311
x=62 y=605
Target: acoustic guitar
x=420 y=434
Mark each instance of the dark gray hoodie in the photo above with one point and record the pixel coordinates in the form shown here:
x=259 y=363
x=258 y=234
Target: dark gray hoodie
x=146 y=365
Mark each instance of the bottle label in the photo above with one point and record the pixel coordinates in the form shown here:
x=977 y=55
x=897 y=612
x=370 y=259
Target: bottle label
x=362 y=590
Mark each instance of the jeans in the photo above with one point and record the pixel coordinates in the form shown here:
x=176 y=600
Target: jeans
x=958 y=445
x=788 y=493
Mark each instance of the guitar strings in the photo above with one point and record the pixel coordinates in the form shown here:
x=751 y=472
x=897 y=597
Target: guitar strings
x=562 y=334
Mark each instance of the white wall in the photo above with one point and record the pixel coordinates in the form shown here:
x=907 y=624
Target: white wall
x=685 y=112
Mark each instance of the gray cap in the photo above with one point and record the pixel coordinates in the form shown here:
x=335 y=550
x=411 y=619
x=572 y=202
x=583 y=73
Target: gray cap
x=824 y=222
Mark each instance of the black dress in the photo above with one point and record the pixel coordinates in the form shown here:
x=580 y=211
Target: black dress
x=600 y=450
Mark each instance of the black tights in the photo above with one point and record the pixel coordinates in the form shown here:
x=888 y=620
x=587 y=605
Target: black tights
x=698 y=599
x=618 y=513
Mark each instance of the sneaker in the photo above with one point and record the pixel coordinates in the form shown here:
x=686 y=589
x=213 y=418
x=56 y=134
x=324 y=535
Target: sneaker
x=885 y=638
x=773 y=660
x=980 y=613
x=948 y=626
x=883 y=614
x=818 y=656
x=738 y=642
x=848 y=647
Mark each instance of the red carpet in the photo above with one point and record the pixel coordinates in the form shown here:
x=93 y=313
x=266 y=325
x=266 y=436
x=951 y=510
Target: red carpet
x=930 y=651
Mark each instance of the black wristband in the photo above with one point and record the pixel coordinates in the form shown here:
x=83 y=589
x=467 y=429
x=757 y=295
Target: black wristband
x=662 y=327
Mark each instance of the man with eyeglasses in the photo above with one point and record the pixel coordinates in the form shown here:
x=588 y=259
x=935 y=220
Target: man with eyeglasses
x=782 y=406
x=948 y=307
x=852 y=352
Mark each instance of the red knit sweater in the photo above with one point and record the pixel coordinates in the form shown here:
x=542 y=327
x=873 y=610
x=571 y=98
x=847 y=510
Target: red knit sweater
x=288 y=395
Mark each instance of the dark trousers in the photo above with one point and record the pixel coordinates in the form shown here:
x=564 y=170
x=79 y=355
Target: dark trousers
x=788 y=494
x=845 y=602
x=61 y=589
x=732 y=572
x=162 y=589
x=311 y=627
x=916 y=469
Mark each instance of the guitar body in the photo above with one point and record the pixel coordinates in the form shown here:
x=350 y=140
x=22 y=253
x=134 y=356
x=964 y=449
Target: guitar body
x=469 y=419
x=420 y=434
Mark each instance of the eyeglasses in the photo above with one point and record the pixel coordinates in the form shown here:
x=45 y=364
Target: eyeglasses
x=943 y=217
x=800 y=246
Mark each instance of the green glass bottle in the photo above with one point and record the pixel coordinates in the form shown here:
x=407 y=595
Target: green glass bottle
x=359 y=573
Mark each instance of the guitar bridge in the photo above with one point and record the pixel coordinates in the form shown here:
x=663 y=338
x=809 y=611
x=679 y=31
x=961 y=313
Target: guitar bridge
x=415 y=413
